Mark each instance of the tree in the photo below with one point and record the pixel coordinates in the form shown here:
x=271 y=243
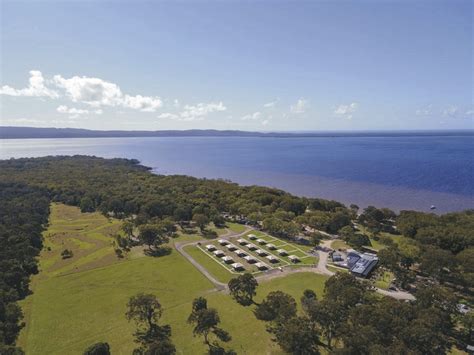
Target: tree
x=358 y=240
x=145 y=310
x=206 y=321
x=219 y=221
x=87 y=205
x=297 y=336
x=276 y=306
x=243 y=288
x=153 y=235
x=389 y=258
x=346 y=232
x=164 y=347
x=437 y=262
x=127 y=228
x=148 y=234
x=98 y=349
x=201 y=221
x=345 y=289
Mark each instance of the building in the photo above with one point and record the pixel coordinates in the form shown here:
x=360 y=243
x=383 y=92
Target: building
x=261 y=266
x=231 y=247
x=337 y=257
x=261 y=241
x=294 y=259
x=282 y=252
x=361 y=264
x=228 y=260
x=261 y=252
x=252 y=236
x=250 y=259
x=223 y=242
x=242 y=241
x=251 y=246
x=210 y=247
x=273 y=259
x=237 y=267
x=240 y=252
x=218 y=253
x=271 y=246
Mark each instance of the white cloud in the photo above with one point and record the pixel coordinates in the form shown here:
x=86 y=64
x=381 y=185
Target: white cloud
x=21 y=120
x=195 y=112
x=76 y=112
x=451 y=111
x=426 y=111
x=470 y=113
x=97 y=92
x=253 y=116
x=142 y=103
x=36 y=88
x=168 y=115
x=270 y=104
x=346 y=111
x=300 y=107
x=265 y=122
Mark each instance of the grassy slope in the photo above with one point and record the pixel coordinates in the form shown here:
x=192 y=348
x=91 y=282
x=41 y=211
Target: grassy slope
x=74 y=306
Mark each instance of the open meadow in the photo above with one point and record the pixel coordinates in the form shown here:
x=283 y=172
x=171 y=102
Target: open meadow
x=82 y=300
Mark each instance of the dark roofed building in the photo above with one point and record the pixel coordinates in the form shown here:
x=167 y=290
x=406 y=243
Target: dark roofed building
x=364 y=264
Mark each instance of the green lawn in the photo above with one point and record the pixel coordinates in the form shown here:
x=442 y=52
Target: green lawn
x=384 y=279
x=74 y=306
x=235 y=227
x=339 y=244
x=218 y=271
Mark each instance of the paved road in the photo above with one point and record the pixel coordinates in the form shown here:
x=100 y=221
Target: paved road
x=321 y=268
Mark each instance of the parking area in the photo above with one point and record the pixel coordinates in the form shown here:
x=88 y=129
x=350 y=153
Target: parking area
x=256 y=252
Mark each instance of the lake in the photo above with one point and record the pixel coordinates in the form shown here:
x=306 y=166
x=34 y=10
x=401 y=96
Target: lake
x=399 y=172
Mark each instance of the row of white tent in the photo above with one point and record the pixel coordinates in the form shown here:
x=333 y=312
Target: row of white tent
x=241 y=253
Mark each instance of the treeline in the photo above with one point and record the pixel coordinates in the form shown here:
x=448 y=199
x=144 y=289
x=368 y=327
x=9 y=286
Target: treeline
x=350 y=319
x=24 y=212
x=439 y=248
x=124 y=188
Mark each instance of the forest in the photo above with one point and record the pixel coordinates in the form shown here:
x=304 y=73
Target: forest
x=438 y=250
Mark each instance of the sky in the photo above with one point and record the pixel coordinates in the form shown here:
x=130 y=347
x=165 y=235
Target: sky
x=247 y=65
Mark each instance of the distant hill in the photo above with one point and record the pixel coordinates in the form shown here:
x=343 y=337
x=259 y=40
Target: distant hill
x=9 y=132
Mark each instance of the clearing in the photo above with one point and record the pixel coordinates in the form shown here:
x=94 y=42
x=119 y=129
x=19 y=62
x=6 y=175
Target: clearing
x=82 y=300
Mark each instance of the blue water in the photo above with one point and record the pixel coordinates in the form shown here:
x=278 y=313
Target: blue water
x=405 y=172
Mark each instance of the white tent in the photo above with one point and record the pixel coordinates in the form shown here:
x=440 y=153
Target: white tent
x=261 y=252
x=251 y=246
x=240 y=252
x=218 y=253
x=294 y=258
x=250 y=259
x=272 y=259
x=237 y=266
x=227 y=259
x=261 y=266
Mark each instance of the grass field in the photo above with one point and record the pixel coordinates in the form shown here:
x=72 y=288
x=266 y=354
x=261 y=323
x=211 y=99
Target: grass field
x=384 y=279
x=339 y=244
x=82 y=300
